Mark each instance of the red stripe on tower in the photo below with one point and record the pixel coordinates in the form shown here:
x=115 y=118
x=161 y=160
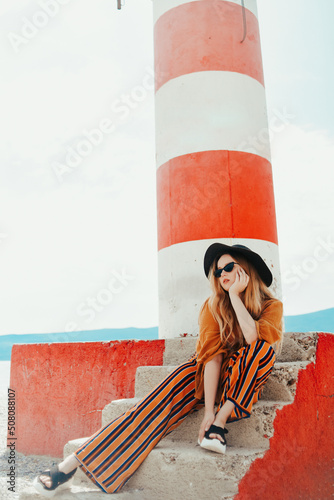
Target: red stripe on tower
x=199 y=200
x=188 y=38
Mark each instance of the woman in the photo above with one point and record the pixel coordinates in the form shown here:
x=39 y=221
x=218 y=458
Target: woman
x=238 y=326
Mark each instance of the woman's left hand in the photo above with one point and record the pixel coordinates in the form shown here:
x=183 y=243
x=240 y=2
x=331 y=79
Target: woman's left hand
x=240 y=283
x=209 y=418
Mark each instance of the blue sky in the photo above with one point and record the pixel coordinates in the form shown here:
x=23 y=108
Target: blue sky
x=66 y=235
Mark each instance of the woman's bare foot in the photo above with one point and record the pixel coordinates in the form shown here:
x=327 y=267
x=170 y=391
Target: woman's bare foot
x=217 y=436
x=46 y=480
x=221 y=418
x=214 y=439
x=66 y=466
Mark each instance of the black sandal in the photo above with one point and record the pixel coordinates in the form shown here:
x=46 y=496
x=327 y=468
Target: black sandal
x=57 y=478
x=215 y=444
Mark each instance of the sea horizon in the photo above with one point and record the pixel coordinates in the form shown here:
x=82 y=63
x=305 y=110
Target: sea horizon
x=318 y=321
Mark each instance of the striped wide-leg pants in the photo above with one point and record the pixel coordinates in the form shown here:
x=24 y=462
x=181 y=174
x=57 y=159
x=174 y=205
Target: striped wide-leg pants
x=113 y=453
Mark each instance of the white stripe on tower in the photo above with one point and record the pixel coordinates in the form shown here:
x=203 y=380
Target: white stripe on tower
x=214 y=178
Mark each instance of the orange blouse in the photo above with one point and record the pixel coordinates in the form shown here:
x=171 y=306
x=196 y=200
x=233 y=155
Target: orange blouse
x=209 y=344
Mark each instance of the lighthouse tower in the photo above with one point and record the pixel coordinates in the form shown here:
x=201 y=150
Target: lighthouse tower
x=214 y=175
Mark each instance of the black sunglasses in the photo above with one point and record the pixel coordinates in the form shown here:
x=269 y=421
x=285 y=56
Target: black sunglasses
x=228 y=268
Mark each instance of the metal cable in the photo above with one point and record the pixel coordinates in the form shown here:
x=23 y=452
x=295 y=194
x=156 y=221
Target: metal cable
x=244 y=19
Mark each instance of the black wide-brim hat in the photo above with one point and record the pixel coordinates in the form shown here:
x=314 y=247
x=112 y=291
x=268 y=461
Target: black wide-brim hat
x=219 y=249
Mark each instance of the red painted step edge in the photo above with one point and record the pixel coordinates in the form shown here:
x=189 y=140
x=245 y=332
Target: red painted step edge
x=299 y=463
x=61 y=388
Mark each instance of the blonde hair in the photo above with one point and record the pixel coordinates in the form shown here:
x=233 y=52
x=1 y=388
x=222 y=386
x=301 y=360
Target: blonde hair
x=254 y=297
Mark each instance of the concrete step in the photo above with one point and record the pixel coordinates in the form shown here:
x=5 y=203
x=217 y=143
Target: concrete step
x=81 y=491
x=296 y=347
x=252 y=432
x=181 y=471
x=279 y=387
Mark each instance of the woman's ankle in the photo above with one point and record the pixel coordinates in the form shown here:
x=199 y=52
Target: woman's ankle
x=70 y=463
x=219 y=421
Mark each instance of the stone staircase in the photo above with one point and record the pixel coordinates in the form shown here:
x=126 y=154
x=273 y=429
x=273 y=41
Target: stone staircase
x=177 y=468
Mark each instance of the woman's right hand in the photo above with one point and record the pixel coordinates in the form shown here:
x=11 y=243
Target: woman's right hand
x=209 y=418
